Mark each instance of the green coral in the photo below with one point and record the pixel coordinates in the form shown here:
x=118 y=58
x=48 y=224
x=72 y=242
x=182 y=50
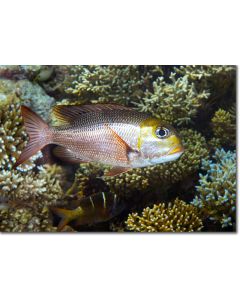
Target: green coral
x=216 y=192
x=206 y=72
x=216 y=79
x=121 y=84
x=224 y=127
x=172 y=217
x=175 y=102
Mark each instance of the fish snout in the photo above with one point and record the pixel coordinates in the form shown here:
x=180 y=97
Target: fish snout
x=176 y=149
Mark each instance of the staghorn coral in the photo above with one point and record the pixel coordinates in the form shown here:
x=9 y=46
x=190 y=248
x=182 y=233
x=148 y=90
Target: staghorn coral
x=219 y=81
x=206 y=72
x=224 y=127
x=172 y=217
x=216 y=192
x=168 y=173
x=121 y=84
x=176 y=102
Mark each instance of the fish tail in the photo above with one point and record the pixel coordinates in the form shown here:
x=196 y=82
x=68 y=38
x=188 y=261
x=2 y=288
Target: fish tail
x=65 y=215
x=39 y=134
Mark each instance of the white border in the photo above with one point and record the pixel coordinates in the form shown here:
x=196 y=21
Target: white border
x=98 y=266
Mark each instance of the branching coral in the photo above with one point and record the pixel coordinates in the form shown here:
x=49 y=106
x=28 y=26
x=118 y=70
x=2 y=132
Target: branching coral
x=28 y=188
x=25 y=220
x=224 y=127
x=173 y=217
x=217 y=80
x=12 y=134
x=28 y=198
x=199 y=72
x=175 y=102
x=121 y=84
x=216 y=192
x=83 y=183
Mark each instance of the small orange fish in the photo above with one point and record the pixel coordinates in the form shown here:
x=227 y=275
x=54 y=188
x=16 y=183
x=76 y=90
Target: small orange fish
x=96 y=208
x=107 y=133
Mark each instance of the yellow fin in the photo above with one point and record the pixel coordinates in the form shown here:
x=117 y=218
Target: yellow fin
x=65 y=215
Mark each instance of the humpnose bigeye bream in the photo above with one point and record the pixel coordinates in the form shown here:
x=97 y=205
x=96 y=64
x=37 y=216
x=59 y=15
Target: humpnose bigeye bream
x=107 y=133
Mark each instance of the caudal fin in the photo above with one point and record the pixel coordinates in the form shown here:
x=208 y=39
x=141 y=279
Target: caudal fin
x=38 y=132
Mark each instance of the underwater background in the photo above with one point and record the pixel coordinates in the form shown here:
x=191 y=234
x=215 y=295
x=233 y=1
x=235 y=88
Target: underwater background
x=196 y=193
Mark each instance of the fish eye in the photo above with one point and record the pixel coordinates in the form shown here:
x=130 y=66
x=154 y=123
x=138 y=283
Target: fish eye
x=162 y=132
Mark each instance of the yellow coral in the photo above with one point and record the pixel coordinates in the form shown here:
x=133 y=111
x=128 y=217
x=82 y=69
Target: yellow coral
x=174 y=217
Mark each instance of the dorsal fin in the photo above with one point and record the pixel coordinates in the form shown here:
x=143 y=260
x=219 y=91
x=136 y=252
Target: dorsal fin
x=65 y=114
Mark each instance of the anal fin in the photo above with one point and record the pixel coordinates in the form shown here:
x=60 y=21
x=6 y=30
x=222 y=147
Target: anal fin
x=116 y=171
x=67 y=155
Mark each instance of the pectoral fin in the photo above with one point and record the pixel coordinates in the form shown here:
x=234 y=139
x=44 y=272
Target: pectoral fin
x=116 y=171
x=121 y=147
x=67 y=155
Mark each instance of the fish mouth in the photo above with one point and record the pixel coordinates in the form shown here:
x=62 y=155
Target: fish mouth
x=178 y=149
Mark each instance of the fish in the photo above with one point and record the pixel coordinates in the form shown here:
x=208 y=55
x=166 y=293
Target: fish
x=111 y=134
x=97 y=208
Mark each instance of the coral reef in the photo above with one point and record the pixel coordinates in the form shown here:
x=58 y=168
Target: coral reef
x=27 y=198
x=217 y=80
x=29 y=188
x=175 y=102
x=206 y=72
x=216 y=192
x=200 y=101
x=224 y=127
x=121 y=84
x=173 y=217
x=12 y=135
